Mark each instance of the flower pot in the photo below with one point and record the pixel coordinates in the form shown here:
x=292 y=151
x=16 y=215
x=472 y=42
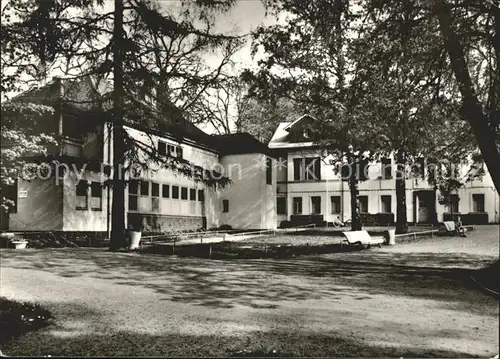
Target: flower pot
x=5 y=239
x=19 y=244
x=391 y=237
x=135 y=238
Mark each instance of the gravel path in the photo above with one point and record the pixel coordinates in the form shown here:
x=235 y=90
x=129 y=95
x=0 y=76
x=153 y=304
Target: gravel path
x=406 y=300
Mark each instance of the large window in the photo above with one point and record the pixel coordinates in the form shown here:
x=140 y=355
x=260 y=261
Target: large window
x=363 y=204
x=192 y=194
x=307 y=169
x=201 y=195
x=82 y=195
x=174 y=151
x=155 y=189
x=184 y=193
x=179 y=152
x=386 y=168
x=95 y=196
x=386 y=204
x=420 y=170
x=433 y=168
x=133 y=190
x=144 y=188
x=155 y=197
x=165 y=191
x=162 y=148
x=315 y=205
x=297 y=205
x=453 y=205
x=335 y=204
x=281 y=205
x=175 y=192
x=297 y=169
x=313 y=169
x=478 y=202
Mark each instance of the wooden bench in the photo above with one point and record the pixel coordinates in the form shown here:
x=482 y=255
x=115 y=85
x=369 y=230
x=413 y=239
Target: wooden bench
x=362 y=238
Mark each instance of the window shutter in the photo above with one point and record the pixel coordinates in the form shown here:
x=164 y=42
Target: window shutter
x=296 y=168
x=317 y=169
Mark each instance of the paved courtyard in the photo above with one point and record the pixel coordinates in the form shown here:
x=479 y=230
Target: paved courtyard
x=412 y=299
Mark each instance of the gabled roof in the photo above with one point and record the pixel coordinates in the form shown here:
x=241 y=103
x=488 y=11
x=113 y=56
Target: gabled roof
x=281 y=137
x=293 y=124
x=87 y=93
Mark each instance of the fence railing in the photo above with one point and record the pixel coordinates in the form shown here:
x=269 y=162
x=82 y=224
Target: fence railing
x=224 y=234
x=415 y=234
x=298 y=228
x=180 y=235
x=431 y=232
x=243 y=234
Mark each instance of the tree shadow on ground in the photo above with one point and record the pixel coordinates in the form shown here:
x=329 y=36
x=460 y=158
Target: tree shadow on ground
x=226 y=283
x=259 y=343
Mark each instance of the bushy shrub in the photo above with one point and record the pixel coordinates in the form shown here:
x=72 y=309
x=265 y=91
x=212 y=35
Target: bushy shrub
x=285 y=224
x=17 y=318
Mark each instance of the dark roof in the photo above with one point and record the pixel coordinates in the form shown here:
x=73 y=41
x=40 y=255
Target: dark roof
x=86 y=95
x=92 y=164
x=298 y=121
x=239 y=143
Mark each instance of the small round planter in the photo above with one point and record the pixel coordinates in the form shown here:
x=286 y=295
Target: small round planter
x=7 y=235
x=5 y=239
x=19 y=244
x=135 y=239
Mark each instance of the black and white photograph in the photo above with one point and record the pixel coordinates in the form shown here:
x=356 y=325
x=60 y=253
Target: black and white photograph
x=250 y=178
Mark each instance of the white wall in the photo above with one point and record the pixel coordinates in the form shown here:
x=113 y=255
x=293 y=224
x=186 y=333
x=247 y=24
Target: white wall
x=330 y=185
x=40 y=207
x=252 y=202
x=83 y=220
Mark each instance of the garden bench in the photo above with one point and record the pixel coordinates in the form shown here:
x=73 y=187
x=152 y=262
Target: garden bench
x=451 y=228
x=362 y=238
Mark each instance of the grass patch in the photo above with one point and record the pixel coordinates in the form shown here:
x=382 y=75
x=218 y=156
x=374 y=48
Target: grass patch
x=18 y=318
x=251 y=249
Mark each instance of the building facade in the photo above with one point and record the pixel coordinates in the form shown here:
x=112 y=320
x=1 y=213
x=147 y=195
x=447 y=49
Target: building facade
x=70 y=195
x=307 y=184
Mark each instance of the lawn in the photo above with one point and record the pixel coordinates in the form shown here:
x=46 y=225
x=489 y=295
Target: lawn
x=413 y=299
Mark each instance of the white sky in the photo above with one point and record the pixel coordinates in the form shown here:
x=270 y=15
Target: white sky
x=243 y=18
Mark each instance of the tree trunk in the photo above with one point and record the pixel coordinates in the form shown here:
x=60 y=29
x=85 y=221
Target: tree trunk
x=117 y=240
x=355 y=217
x=472 y=109
x=401 y=216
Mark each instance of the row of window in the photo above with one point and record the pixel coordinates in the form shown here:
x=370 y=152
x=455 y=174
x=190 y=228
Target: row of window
x=335 y=204
x=386 y=202
x=309 y=169
x=477 y=203
x=152 y=190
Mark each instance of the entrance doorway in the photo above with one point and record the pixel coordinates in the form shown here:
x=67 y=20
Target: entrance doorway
x=425 y=206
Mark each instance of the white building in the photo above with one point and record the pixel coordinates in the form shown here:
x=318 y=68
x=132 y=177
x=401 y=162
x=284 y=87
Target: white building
x=161 y=200
x=307 y=184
